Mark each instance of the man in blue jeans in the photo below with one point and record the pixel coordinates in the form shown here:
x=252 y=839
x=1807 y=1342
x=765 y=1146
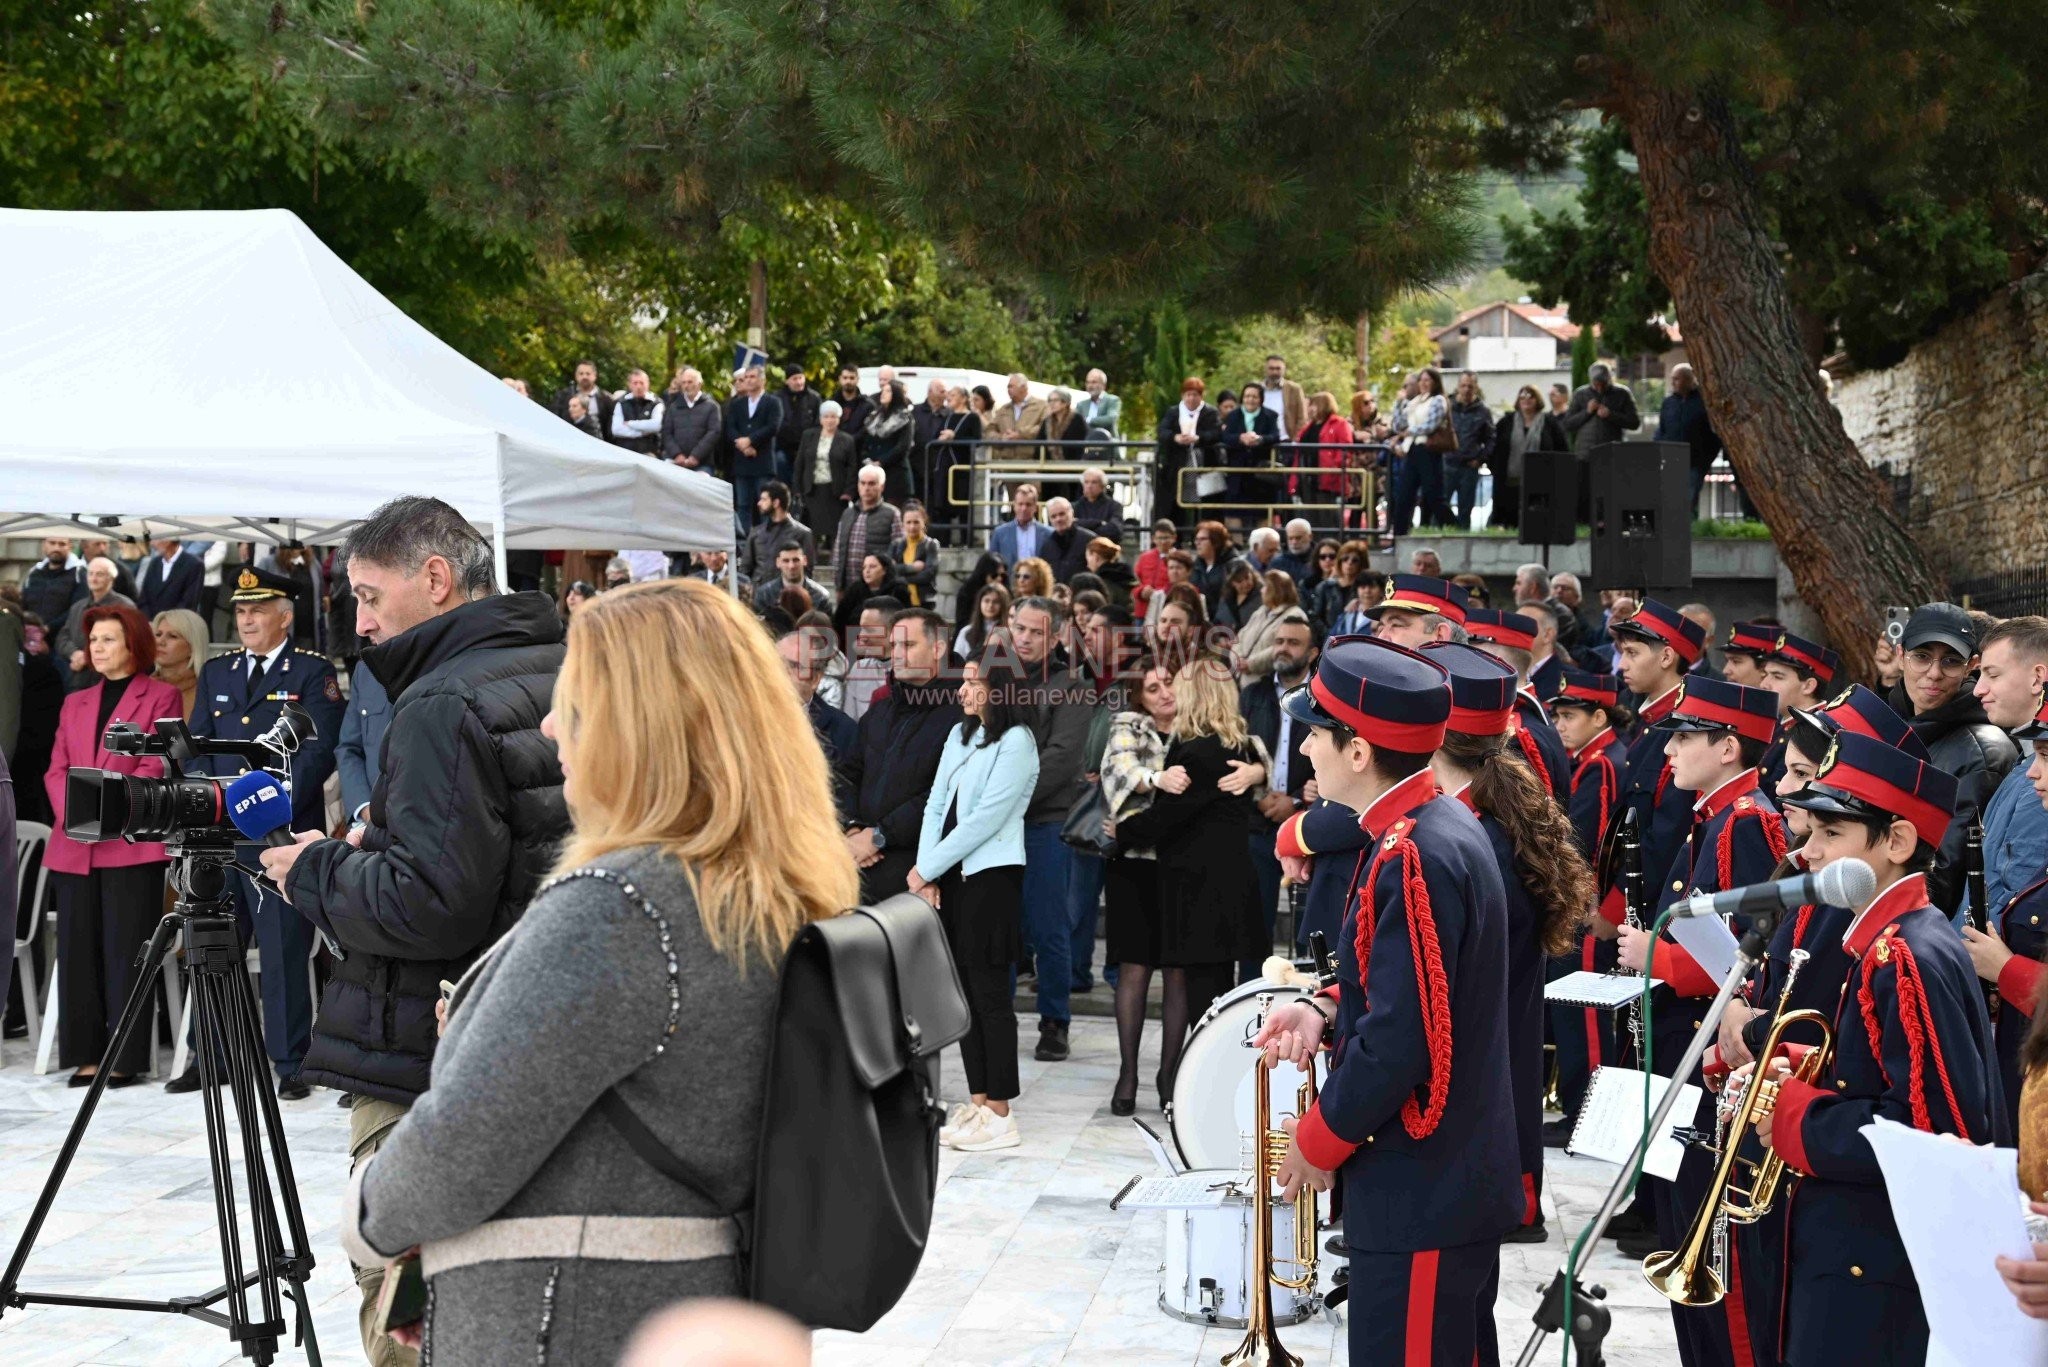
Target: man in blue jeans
x=1064 y=709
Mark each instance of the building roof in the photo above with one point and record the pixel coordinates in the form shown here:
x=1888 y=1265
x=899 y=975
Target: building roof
x=1553 y=321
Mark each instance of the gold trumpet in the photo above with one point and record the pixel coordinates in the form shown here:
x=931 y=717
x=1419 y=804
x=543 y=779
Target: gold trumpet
x=1687 y=1275
x=1262 y=1346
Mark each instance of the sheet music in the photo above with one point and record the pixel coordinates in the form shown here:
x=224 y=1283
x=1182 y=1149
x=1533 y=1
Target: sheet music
x=1708 y=940
x=1604 y=991
x=1958 y=1207
x=1611 y=1120
x=1194 y=1191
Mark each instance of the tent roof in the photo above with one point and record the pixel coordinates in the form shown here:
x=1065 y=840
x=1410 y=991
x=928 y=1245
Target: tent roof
x=225 y=371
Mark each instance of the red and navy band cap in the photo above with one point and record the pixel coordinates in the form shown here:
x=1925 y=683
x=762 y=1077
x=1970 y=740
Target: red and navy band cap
x=1861 y=776
x=1752 y=638
x=1661 y=624
x=2037 y=729
x=1811 y=656
x=1422 y=594
x=1708 y=704
x=1482 y=688
x=1391 y=696
x=1581 y=689
x=1858 y=709
x=1495 y=626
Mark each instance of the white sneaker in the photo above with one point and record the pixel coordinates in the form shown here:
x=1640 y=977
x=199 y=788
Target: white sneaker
x=992 y=1132
x=958 y=1119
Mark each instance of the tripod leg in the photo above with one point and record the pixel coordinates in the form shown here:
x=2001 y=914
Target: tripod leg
x=131 y=1015
x=207 y=1043
x=249 y=1077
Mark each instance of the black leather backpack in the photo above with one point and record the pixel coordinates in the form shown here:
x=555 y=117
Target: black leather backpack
x=849 y=1149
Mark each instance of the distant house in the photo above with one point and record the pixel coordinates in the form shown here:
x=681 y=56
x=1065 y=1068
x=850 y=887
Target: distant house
x=1508 y=345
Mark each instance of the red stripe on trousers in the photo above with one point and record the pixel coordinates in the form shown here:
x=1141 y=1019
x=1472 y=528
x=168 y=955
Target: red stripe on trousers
x=1532 y=1210
x=1421 y=1308
x=1592 y=1016
x=1738 y=1310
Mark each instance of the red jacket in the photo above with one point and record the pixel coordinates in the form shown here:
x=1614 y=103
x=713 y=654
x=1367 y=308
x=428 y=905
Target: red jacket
x=1336 y=430
x=146 y=700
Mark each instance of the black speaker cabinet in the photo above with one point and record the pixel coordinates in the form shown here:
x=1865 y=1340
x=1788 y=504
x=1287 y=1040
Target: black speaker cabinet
x=1550 y=498
x=1641 y=515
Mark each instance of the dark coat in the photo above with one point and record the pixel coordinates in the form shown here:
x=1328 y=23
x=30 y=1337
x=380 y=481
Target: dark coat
x=803 y=468
x=940 y=496
x=1683 y=417
x=1526 y=966
x=890 y=769
x=760 y=429
x=1962 y=742
x=49 y=593
x=183 y=588
x=464 y=820
x=889 y=435
x=1208 y=897
x=1549 y=437
x=602 y=413
x=853 y=419
x=1062 y=730
x=1171 y=500
x=799 y=415
x=692 y=430
x=1067 y=552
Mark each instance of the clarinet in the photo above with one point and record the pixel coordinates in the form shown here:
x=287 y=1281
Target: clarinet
x=1632 y=904
x=1980 y=898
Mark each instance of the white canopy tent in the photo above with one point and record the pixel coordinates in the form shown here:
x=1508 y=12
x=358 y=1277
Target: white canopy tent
x=225 y=374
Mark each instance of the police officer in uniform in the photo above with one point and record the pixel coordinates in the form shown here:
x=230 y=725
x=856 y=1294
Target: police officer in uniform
x=1417 y=1117
x=240 y=696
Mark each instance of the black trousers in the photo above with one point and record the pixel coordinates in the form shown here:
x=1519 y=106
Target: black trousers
x=103 y=920
x=990 y=1050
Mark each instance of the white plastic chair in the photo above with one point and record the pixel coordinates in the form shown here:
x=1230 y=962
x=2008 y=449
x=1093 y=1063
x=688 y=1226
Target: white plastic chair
x=31 y=839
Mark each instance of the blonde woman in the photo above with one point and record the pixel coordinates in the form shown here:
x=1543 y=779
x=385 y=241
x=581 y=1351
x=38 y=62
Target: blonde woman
x=180 y=649
x=647 y=965
x=1209 y=915
x=1032 y=578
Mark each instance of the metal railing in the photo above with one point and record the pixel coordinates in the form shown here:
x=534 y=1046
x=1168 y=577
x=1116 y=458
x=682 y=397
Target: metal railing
x=2018 y=593
x=981 y=485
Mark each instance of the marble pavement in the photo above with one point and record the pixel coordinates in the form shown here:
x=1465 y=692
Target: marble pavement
x=1027 y=1265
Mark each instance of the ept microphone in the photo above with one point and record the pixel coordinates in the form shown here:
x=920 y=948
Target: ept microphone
x=1844 y=883
x=260 y=808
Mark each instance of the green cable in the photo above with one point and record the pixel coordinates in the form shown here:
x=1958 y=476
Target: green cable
x=1572 y=1257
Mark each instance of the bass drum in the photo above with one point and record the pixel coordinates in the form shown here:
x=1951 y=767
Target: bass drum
x=1208 y=1273
x=1210 y=1116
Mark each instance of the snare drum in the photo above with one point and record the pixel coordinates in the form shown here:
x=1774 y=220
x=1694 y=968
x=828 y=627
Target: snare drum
x=1210 y=1116
x=1208 y=1271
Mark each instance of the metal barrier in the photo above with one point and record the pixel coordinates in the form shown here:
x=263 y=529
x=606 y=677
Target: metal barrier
x=988 y=478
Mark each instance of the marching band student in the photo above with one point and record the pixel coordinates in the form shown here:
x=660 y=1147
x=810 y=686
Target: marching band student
x=1717 y=732
x=1912 y=1044
x=2011 y=958
x=1549 y=883
x=1510 y=637
x=1749 y=644
x=1590 y=719
x=1418 y=1111
x=1802 y=673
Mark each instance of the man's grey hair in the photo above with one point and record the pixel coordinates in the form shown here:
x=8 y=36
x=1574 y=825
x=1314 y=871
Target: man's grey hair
x=1599 y=371
x=1568 y=580
x=867 y=470
x=1058 y=503
x=1263 y=536
x=1533 y=571
x=1095 y=472
x=1457 y=633
x=408 y=531
x=1299 y=524
x=113 y=570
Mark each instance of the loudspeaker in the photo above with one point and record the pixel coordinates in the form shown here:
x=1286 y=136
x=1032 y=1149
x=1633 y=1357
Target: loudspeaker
x=1550 y=499
x=1641 y=515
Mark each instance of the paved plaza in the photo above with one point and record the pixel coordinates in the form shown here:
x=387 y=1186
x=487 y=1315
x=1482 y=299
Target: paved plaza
x=1027 y=1263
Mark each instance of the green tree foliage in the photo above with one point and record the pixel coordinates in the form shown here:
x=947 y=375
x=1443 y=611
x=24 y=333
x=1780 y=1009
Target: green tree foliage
x=1583 y=355
x=1397 y=352
x=1320 y=355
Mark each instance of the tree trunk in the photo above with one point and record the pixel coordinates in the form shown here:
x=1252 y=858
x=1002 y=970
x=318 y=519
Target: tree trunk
x=1829 y=513
x=1362 y=372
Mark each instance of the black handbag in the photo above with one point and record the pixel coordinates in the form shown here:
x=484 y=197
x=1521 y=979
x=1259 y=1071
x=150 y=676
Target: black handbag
x=849 y=1152
x=1083 y=827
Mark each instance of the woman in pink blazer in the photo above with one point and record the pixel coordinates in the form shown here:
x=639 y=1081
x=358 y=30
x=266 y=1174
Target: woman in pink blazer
x=110 y=894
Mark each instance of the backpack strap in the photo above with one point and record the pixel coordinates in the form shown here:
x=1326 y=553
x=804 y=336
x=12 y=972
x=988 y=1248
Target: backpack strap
x=663 y=1160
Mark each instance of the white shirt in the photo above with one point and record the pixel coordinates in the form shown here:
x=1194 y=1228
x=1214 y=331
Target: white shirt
x=1283 y=753
x=269 y=661
x=1276 y=402
x=1188 y=419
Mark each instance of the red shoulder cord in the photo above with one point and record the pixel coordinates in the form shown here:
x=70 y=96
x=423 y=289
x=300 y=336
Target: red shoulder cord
x=1435 y=991
x=1774 y=838
x=1663 y=782
x=1534 y=756
x=1917 y=1020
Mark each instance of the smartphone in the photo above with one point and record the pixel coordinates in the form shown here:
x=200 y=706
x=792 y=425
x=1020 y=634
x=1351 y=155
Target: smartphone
x=1895 y=623
x=447 y=990
x=404 y=1297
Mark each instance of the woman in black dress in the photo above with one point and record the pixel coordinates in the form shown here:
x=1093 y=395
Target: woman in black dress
x=1209 y=917
x=1134 y=768
x=877 y=580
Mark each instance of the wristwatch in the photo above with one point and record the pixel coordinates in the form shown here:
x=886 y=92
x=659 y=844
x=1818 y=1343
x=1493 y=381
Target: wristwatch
x=879 y=837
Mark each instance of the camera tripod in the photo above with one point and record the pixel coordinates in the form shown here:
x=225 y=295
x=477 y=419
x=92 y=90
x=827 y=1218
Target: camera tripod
x=228 y=1049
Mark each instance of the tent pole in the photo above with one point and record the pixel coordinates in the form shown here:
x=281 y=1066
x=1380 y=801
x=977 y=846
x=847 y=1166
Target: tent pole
x=498 y=525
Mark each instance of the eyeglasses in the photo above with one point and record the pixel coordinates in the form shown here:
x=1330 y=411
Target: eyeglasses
x=1946 y=661
x=1327 y=555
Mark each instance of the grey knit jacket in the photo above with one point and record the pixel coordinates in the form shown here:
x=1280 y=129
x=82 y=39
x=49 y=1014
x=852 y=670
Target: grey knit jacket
x=544 y=1237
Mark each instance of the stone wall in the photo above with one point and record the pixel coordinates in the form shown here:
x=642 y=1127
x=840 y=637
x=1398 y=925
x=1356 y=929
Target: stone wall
x=1963 y=420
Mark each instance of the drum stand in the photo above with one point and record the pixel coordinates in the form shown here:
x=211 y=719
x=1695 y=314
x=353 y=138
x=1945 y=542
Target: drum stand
x=229 y=1049
x=1590 y=1320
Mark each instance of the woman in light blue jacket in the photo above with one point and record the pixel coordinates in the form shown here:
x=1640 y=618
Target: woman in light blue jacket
x=970 y=866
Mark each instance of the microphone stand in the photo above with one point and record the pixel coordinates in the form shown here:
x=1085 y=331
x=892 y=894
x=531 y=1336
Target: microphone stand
x=1590 y=1319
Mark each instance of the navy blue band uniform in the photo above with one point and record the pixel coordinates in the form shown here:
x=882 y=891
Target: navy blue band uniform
x=1913 y=1044
x=1417 y=1114
x=230 y=706
x=1584 y=1035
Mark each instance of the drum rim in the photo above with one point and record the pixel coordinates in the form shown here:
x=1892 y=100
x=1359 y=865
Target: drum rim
x=1216 y=1008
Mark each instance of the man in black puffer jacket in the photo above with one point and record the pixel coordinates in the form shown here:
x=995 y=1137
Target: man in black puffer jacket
x=462 y=824
x=1937 y=699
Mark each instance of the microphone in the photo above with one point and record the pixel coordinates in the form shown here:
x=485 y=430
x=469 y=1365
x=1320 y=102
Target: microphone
x=260 y=808
x=1844 y=883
